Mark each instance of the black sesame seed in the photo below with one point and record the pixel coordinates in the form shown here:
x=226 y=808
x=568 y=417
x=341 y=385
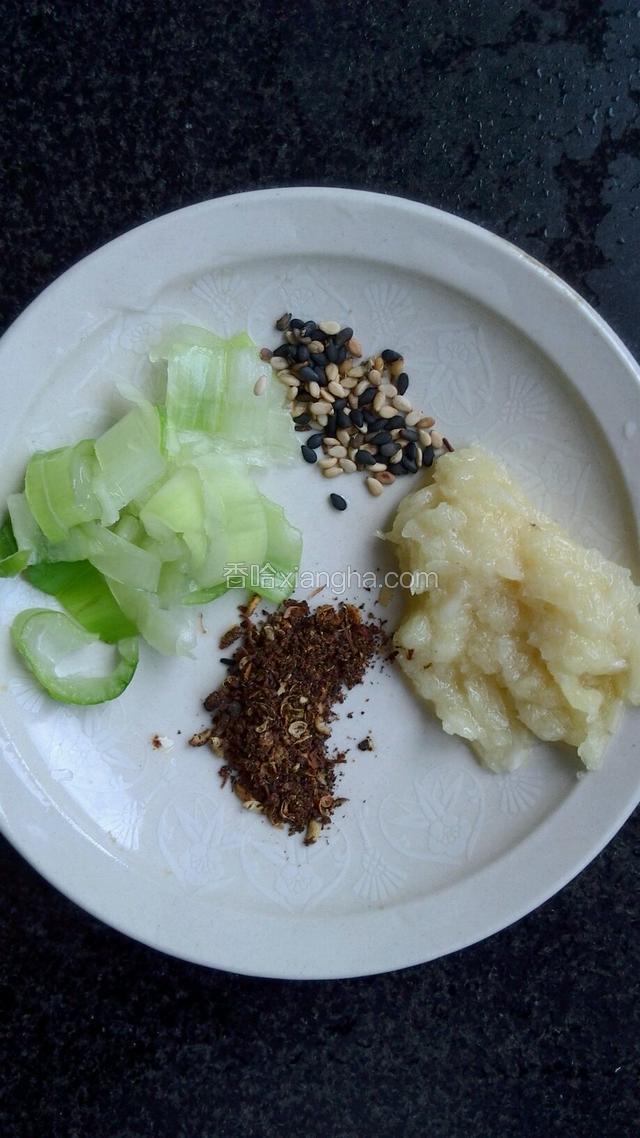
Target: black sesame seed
x=387 y=449
x=342 y=355
x=304 y=397
x=227 y=661
x=282 y=323
x=302 y=353
x=410 y=465
x=381 y=438
x=343 y=421
x=303 y=420
x=370 y=417
x=389 y=356
x=295 y=323
x=332 y=352
x=409 y=433
x=337 y=501
x=303 y=427
x=394 y=423
x=410 y=451
x=402 y=383
x=315 y=440
x=342 y=336
x=367 y=397
x=365 y=458
x=310 y=329
x=427 y=456
x=357 y=418
x=308 y=373
x=321 y=378
x=287 y=351
x=338 y=404
x=397 y=469
x=331 y=427
x=308 y=454
x=319 y=359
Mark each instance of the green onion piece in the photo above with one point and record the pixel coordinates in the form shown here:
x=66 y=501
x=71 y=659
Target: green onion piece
x=120 y=559
x=50 y=643
x=12 y=559
x=178 y=508
x=130 y=459
x=27 y=532
x=277 y=577
x=59 y=485
x=196 y=380
x=256 y=428
x=170 y=631
x=203 y=596
x=234 y=521
x=84 y=593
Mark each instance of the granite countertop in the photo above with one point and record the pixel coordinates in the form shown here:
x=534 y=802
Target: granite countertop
x=523 y=117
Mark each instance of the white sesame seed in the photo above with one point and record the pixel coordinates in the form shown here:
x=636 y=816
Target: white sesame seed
x=318 y=408
x=278 y=363
x=362 y=386
x=330 y=442
x=327 y=463
x=314 y=389
x=333 y=472
x=389 y=390
x=373 y=486
x=413 y=417
x=352 y=401
x=338 y=452
x=418 y=457
x=337 y=389
x=329 y=327
x=375 y=377
x=401 y=403
x=343 y=437
x=387 y=412
x=356 y=372
x=322 y=420
x=397 y=457
x=379 y=400
x=426 y=422
x=348 y=465
x=354 y=347
x=332 y=373
x=436 y=439
x=425 y=438
x=376 y=466
x=348 y=383
x=316 y=347
x=326 y=395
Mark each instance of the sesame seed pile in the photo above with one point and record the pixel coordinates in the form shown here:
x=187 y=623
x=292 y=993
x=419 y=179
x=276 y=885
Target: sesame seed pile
x=354 y=408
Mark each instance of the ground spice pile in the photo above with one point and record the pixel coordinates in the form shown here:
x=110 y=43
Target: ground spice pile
x=271 y=715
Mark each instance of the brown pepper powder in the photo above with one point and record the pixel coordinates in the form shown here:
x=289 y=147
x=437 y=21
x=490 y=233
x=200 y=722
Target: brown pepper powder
x=271 y=714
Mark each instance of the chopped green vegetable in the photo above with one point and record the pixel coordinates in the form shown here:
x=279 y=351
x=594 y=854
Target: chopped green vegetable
x=159 y=514
x=48 y=642
x=170 y=631
x=130 y=459
x=277 y=577
x=59 y=485
x=84 y=593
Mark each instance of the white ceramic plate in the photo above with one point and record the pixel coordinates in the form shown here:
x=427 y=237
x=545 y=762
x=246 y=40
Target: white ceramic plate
x=432 y=853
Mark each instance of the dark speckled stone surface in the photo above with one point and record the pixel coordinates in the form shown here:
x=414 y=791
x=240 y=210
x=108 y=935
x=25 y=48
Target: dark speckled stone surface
x=523 y=117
